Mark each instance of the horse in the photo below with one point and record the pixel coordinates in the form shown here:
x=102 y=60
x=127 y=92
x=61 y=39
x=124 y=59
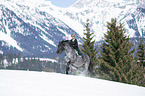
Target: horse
x=74 y=61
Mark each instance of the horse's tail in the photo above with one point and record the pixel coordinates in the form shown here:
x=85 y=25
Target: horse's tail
x=90 y=68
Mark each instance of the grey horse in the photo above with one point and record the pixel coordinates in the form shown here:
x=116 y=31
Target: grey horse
x=74 y=61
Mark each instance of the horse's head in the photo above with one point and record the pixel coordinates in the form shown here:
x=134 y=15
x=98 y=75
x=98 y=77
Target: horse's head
x=60 y=48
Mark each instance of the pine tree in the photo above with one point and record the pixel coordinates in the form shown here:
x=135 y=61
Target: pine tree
x=117 y=60
x=141 y=54
x=89 y=47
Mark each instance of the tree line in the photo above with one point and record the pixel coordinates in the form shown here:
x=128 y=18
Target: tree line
x=19 y=62
x=114 y=59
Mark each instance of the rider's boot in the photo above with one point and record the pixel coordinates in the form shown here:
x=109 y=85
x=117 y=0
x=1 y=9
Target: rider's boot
x=82 y=55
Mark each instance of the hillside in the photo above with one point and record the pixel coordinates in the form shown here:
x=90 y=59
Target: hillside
x=30 y=83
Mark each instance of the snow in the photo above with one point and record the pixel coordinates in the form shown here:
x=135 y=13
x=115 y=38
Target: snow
x=1 y=52
x=44 y=37
x=68 y=36
x=30 y=83
x=48 y=59
x=114 y=0
x=98 y=12
x=44 y=59
x=8 y=39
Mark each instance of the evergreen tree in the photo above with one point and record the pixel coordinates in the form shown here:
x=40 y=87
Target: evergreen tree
x=117 y=60
x=141 y=54
x=9 y=58
x=88 y=46
x=19 y=57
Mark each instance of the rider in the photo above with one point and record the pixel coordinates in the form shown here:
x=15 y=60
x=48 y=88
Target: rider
x=74 y=44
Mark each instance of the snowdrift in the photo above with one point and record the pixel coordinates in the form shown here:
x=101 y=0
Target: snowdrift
x=30 y=83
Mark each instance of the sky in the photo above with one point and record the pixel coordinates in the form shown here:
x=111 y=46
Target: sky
x=62 y=3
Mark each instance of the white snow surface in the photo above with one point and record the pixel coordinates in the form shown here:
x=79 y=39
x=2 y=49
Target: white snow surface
x=30 y=83
x=45 y=59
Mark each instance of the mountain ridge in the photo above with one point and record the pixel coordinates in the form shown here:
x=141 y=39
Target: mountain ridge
x=36 y=27
x=34 y=35
x=99 y=13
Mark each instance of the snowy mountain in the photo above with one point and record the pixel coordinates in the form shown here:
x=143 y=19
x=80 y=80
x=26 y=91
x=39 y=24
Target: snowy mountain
x=30 y=83
x=129 y=12
x=27 y=30
x=34 y=27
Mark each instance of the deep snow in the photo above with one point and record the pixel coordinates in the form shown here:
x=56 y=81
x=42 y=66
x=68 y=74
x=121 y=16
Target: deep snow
x=30 y=83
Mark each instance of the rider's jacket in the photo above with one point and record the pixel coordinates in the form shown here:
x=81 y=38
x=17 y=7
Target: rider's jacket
x=74 y=43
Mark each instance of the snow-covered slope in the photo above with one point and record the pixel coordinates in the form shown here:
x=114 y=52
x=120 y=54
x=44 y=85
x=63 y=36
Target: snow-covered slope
x=28 y=83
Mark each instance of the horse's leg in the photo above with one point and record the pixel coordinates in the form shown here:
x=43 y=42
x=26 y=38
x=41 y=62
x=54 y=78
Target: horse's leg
x=87 y=66
x=67 y=67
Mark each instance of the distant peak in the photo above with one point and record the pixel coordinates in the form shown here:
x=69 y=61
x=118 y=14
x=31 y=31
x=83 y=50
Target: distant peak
x=114 y=0
x=83 y=3
x=29 y=2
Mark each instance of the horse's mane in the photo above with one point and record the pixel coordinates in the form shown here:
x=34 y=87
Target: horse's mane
x=68 y=42
x=65 y=41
